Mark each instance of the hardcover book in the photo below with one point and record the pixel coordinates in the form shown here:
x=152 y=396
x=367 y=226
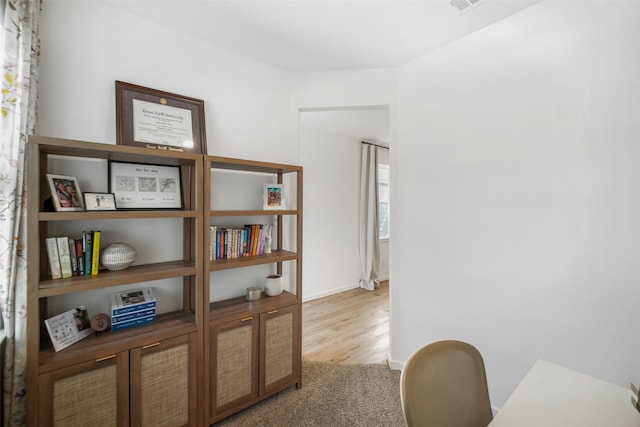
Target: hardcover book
x=80 y=255
x=65 y=257
x=54 y=259
x=133 y=315
x=131 y=301
x=134 y=322
x=72 y=254
x=87 y=239
x=95 y=253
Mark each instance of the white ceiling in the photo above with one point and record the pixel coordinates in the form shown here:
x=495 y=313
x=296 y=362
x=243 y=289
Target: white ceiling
x=320 y=35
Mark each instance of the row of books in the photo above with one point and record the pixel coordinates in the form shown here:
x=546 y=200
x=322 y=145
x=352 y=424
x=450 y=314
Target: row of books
x=248 y=240
x=74 y=256
x=132 y=308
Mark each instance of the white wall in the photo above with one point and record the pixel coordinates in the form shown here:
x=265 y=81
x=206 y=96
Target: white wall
x=330 y=154
x=515 y=194
x=88 y=45
x=331 y=203
x=335 y=90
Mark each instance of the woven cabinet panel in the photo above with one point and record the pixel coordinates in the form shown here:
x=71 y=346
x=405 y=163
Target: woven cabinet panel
x=87 y=398
x=165 y=387
x=278 y=347
x=234 y=373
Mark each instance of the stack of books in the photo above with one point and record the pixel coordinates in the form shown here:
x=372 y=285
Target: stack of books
x=132 y=308
x=236 y=242
x=74 y=256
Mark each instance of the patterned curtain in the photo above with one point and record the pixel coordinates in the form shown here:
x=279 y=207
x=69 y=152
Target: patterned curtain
x=20 y=54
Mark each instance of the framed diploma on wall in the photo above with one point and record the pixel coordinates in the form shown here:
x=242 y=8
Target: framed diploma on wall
x=159 y=120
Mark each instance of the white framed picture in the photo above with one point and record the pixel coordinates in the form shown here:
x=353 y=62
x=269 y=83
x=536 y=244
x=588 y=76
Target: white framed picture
x=65 y=193
x=274 y=196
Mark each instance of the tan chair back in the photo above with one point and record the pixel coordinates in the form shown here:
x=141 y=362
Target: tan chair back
x=444 y=384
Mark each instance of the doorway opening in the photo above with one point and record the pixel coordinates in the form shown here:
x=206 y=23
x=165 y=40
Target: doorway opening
x=330 y=143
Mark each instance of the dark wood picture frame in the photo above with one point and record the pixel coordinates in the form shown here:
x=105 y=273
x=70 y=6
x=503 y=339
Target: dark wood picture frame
x=155 y=119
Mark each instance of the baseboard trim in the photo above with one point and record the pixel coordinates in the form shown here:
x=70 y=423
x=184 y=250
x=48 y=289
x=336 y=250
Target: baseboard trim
x=330 y=292
x=395 y=365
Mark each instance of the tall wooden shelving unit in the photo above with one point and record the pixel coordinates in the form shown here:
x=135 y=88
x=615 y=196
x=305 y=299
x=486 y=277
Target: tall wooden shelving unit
x=192 y=366
x=252 y=349
x=133 y=376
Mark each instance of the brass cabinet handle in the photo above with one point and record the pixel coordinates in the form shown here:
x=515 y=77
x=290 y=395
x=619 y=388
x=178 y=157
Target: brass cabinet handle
x=246 y=318
x=102 y=359
x=272 y=311
x=150 y=345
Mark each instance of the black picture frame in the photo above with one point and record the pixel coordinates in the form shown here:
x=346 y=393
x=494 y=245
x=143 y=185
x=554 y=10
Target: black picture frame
x=99 y=201
x=158 y=120
x=145 y=186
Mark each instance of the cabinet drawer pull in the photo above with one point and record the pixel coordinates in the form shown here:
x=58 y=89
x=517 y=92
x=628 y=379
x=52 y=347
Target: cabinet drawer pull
x=144 y=347
x=272 y=311
x=246 y=318
x=102 y=359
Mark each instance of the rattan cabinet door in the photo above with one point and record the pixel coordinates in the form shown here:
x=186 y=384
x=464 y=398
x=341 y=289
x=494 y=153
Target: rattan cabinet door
x=88 y=393
x=233 y=364
x=279 y=342
x=163 y=383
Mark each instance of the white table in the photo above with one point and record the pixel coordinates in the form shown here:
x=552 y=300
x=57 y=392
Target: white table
x=553 y=396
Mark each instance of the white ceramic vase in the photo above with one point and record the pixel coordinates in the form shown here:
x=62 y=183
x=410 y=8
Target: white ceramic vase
x=118 y=256
x=274 y=285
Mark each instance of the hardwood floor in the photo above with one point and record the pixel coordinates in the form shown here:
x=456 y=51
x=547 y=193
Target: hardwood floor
x=349 y=327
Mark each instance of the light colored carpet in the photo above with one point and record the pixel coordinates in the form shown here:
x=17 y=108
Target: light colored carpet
x=332 y=395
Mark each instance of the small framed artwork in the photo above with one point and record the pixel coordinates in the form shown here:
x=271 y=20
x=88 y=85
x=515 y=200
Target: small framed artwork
x=274 y=196
x=65 y=193
x=142 y=186
x=100 y=201
x=159 y=120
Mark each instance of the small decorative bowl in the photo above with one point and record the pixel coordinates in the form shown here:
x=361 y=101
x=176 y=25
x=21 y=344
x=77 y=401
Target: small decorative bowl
x=254 y=293
x=118 y=256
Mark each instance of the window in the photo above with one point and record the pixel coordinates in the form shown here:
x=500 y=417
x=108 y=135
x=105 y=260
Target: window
x=383 y=201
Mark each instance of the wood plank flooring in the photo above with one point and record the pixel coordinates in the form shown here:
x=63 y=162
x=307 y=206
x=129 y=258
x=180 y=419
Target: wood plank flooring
x=349 y=327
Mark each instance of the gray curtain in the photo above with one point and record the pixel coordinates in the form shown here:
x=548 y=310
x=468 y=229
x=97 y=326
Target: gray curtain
x=368 y=236
x=20 y=50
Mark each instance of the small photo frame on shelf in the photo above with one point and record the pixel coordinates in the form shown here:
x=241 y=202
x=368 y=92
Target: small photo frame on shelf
x=65 y=193
x=142 y=186
x=100 y=201
x=68 y=328
x=274 y=196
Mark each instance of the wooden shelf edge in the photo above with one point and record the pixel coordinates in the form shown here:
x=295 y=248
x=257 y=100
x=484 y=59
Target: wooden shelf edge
x=166 y=326
x=257 y=212
x=119 y=214
x=275 y=256
x=105 y=279
x=221 y=311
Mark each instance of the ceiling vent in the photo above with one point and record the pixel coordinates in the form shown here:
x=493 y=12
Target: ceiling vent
x=464 y=5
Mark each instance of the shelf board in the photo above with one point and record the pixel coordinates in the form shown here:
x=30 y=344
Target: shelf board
x=105 y=279
x=166 y=326
x=271 y=212
x=120 y=153
x=247 y=261
x=227 y=163
x=122 y=214
x=235 y=308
